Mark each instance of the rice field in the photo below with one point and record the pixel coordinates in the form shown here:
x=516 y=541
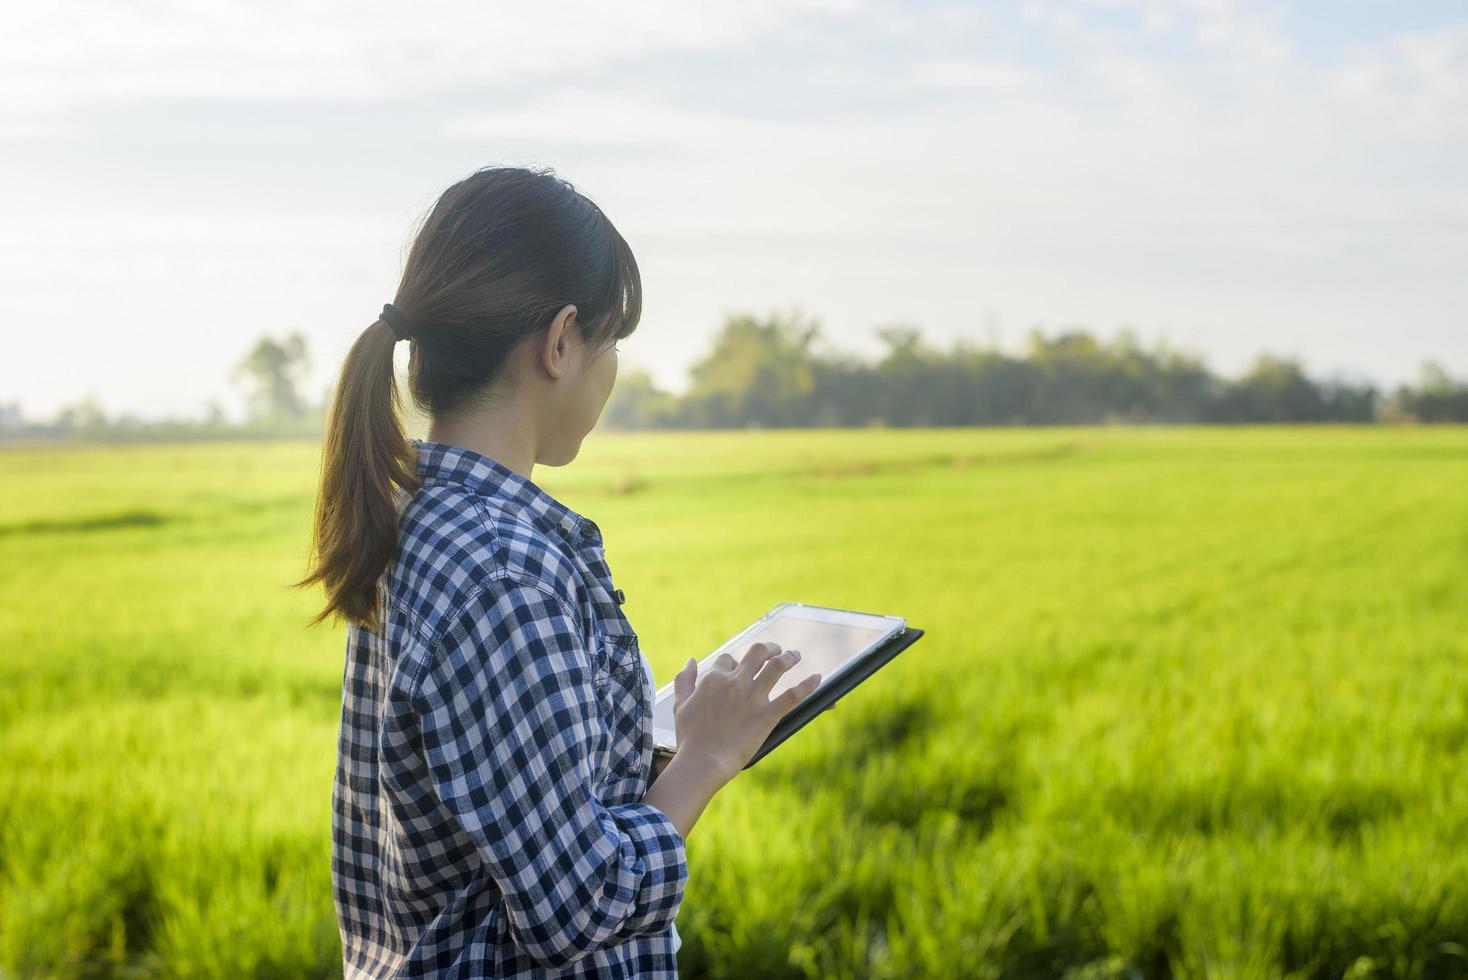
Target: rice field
x=1191 y=702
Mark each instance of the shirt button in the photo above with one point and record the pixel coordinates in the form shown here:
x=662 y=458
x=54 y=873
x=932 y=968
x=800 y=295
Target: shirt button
x=620 y=596
x=588 y=532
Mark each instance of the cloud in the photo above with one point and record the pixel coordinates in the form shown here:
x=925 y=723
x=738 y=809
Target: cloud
x=1412 y=84
x=967 y=74
x=1225 y=27
x=66 y=54
x=1055 y=16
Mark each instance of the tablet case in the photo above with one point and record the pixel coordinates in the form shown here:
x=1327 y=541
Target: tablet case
x=825 y=696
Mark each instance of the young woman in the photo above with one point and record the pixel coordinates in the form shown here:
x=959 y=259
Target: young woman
x=496 y=812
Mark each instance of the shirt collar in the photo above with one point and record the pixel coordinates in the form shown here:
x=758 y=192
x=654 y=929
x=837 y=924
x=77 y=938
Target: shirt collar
x=439 y=462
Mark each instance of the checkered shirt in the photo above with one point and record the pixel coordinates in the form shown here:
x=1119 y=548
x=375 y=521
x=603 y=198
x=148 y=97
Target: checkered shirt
x=495 y=747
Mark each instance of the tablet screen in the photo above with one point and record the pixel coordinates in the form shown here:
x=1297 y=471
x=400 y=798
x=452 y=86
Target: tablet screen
x=824 y=649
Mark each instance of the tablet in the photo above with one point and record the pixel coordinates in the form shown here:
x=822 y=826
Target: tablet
x=843 y=646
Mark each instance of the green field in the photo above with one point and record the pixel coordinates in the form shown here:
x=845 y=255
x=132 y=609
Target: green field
x=1191 y=702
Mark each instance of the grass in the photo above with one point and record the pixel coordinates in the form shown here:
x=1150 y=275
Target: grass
x=1191 y=702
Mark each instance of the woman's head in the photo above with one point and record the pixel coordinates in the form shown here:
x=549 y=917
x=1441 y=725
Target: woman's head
x=512 y=277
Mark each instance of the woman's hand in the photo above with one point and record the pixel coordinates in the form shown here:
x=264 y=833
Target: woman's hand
x=725 y=718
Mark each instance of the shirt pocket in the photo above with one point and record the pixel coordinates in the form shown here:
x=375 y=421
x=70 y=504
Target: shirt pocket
x=617 y=653
x=621 y=688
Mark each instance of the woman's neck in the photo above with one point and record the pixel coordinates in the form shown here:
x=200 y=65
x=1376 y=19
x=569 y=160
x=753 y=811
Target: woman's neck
x=503 y=434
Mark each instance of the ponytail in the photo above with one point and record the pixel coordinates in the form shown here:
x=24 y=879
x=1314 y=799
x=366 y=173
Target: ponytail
x=365 y=461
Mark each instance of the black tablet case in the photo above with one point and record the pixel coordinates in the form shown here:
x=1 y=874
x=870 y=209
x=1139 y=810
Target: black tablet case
x=825 y=696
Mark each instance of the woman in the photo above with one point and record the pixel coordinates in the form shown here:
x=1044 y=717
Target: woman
x=496 y=813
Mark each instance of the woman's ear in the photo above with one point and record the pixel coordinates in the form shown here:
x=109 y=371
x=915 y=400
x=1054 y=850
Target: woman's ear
x=556 y=349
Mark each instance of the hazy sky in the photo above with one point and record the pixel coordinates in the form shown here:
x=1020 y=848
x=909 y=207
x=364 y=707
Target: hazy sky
x=181 y=176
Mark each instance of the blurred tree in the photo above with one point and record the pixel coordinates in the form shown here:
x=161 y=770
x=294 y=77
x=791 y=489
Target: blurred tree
x=636 y=403
x=1275 y=389
x=12 y=418
x=843 y=391
x=1183 y=389
x=272 y=373
x=1079 y=378
x=86 y=415
x=1437 y=398
x=902 y=392
x=1005 y=389
x=1349 y=401
x=759 y=372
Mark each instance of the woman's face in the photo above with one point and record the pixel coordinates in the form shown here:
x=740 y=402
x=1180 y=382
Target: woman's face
x=587 y=384
x=600 y=375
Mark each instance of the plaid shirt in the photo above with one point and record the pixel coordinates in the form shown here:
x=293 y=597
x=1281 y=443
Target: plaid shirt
x=495 y=747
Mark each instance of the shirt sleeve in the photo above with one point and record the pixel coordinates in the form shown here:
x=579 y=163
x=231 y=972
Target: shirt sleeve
x=507 y=716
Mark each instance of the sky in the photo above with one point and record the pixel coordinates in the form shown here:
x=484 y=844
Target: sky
x=181 y=177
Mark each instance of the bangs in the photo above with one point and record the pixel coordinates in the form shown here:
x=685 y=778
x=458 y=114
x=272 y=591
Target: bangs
x=623 y=299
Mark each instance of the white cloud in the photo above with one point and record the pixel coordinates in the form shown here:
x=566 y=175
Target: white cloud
x=1052 y=15
x=954 y=74
x=64 y=54
x=1228 y=27
x=1411 y=84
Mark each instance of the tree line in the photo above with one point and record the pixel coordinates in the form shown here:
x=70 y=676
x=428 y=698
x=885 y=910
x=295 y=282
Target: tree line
x=776 y=371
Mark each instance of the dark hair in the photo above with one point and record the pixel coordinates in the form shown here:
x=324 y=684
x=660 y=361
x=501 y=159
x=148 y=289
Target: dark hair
x=499 y=255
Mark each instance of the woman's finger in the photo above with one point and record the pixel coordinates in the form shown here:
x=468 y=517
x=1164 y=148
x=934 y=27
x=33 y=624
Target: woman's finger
x=684 y=681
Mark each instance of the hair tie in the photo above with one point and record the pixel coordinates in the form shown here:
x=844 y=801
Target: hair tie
x=394 y=318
